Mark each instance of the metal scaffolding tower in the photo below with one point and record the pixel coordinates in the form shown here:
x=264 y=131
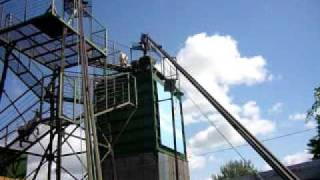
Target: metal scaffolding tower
x=57 y=50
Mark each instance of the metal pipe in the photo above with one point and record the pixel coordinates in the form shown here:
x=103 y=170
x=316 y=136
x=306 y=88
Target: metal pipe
x=52 y=116
x=53 y=6
x=60 y=106
x=183 y=129
x=282 y=170
x=74 y=99
x=84 y=89
x=25 y=9
x=1 y=15
x=174 y=138
x=93 y=157
x=128 y=85
x=8 y=51
x=135 y=90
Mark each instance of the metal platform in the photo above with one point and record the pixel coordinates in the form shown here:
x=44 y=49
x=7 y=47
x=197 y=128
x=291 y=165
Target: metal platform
x=40 y=38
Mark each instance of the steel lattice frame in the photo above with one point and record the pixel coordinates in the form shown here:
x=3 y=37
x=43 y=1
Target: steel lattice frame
x=26 y=43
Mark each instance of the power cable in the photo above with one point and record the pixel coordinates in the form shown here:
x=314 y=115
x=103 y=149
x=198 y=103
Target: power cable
x=264 y=140
x=242 y=145
x=222 y=135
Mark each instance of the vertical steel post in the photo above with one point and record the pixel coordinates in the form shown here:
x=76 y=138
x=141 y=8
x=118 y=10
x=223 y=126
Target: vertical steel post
x=41 y=98
x=8 y=51
x=114 y=91
x=91 y=27
x=113 y=162
x=60 y=106
x=174 y=138
x=51 y=92
x=135 y=90
x=113 y=52
x=182 y=124
x=106 y=82
x=86 y=101
x=123 y=91
x=106 y=87
x=6 y=137
x=59 y=136
x=96 y=149
x=53 y=6
x=74 y=99
x=129 y=89
x=25 y=9
x=93 y=156
x=1 y=15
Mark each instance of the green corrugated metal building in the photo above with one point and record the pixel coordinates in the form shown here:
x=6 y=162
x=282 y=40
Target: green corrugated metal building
x=145 y=149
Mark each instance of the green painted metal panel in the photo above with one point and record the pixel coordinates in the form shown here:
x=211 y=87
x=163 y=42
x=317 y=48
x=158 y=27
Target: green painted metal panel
x=139 y=136
x=142 y=134
x=16 y=169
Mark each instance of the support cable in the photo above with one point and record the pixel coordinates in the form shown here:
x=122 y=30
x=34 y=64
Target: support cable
x=263 y=140
x=234 y=148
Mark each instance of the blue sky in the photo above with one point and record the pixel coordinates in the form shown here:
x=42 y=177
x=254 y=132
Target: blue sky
x=285 y=33
x=281 y=41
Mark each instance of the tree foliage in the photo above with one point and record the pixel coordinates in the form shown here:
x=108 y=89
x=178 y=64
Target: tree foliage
x=314 y=143
x=235 y=169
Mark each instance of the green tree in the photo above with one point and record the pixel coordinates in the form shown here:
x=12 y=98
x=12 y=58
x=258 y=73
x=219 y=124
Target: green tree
x=314 y=112
x=235 y=169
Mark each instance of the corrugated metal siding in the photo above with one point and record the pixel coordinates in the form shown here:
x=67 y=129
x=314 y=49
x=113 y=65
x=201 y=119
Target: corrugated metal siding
x=140 y=135
x=167 y=168
x=18 y=168
x=138 y=155
x=142 y=166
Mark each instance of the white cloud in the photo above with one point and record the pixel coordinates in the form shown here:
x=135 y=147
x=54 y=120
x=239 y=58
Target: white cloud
x=311 y=124
x=297 y=116
x=266 y=167
x=302 y=117
x=219 y=55
x=212 y=158
x=195 y=162
x=71 y=163
x=210 y=138
x=276 y=108
x=216 y=63
x=297 y=158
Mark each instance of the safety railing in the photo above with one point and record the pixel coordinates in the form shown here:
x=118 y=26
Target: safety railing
x=18 y=111
x=17 y=116
x=72 y=107
x=113 y=92
x=108 y=92
x=167 y=69
x=118 y=54
x=13 y=12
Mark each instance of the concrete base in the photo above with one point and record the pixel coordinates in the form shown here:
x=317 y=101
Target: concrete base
x=167 y=170
x=146 y=166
